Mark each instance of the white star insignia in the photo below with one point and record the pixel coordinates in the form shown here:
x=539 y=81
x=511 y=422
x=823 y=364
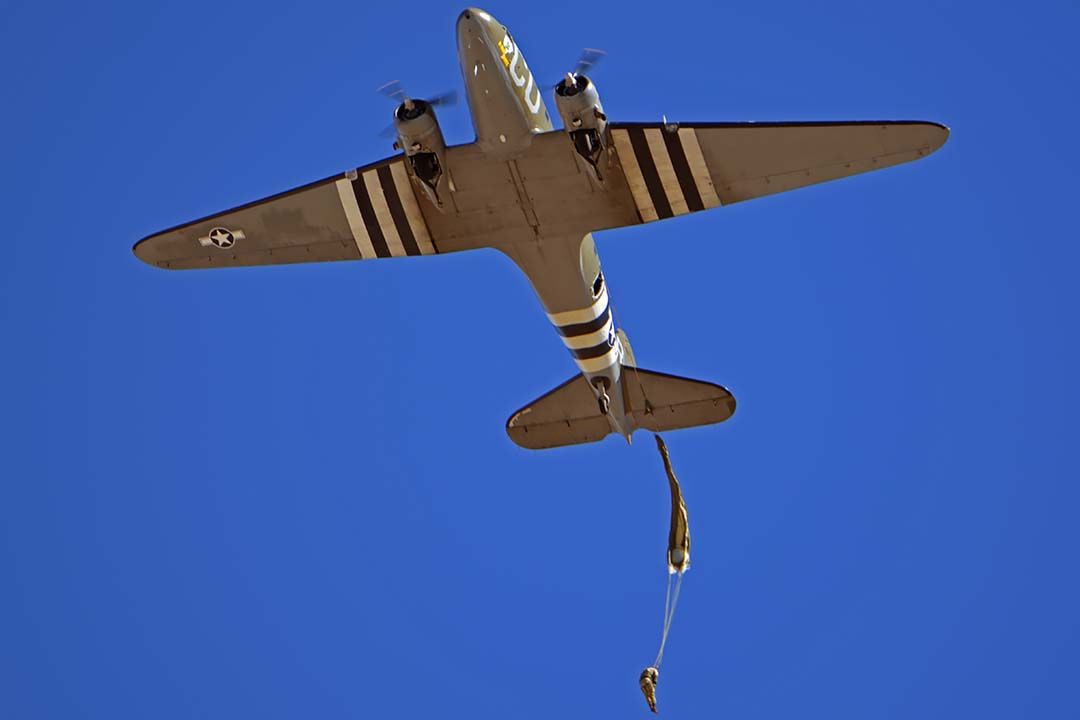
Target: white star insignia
x=221 y=238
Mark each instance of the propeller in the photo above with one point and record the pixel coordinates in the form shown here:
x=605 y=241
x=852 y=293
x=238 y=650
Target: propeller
x=395 y=91
x=588 y=58
x=586 y=61
x=410 y=109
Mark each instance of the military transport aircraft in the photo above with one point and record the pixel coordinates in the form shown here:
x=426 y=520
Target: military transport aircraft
x=537 y=194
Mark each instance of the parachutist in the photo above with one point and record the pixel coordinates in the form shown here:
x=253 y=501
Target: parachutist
x=678 y=562
x=648 y=680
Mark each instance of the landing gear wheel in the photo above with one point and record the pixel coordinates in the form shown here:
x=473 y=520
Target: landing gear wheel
x=600 y=384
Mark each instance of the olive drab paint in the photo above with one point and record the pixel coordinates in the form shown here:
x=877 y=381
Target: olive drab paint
x=519 y=72
x=505 y=100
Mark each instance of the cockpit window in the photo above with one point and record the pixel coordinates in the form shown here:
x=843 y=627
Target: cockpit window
x=598 y=285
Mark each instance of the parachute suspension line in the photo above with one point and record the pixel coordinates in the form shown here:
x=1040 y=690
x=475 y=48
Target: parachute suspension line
x=666 y=625
x=674 y=602
x=667 y=604
x=669 y=614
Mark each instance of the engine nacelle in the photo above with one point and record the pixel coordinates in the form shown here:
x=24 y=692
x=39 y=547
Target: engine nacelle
x=420 y=137
x=583 y=117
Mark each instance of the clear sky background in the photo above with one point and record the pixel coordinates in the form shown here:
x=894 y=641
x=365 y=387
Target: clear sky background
x=287 y=492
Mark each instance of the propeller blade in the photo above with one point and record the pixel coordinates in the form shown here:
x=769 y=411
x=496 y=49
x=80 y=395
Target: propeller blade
x=446 y=99
x=586 y=61
x=589 y=57
x=449 y=98
x=396 y=92
x=392 y=90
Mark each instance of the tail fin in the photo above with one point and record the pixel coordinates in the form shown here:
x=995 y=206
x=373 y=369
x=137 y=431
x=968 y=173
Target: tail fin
x=568 y=415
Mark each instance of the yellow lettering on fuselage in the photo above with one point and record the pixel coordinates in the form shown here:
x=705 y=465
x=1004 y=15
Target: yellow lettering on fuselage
x=505 y=47
x=511 y=58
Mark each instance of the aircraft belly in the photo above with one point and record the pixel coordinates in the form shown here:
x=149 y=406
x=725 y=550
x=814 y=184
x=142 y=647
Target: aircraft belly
x=565 y=273
x=565 y=198
x=553 y=267
x=484 y=188
x=540 y=193
x=500 y=128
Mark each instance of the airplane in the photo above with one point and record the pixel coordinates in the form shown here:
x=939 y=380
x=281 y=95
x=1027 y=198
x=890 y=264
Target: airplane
x=537 y=194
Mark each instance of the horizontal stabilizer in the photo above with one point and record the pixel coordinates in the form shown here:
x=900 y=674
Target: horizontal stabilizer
x=662 y=402
x=569 y=415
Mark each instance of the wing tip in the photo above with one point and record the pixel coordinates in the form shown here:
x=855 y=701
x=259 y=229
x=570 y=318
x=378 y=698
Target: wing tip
x=141 y=251
x=941 y=134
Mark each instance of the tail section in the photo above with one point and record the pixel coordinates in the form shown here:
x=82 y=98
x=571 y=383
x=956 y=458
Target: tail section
x=568 y=415
x=660 y=402
x=628 y=352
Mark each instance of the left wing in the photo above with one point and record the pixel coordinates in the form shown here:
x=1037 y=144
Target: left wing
x=673 y=169
x=370 y=212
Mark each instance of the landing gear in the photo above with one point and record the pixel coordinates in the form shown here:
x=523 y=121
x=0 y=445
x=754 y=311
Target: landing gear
x=589 y=144
x=602 y=400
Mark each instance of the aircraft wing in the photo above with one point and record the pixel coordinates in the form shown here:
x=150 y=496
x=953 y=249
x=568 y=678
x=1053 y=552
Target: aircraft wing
x=666 y=170
x=370 y=212
x=675 y=169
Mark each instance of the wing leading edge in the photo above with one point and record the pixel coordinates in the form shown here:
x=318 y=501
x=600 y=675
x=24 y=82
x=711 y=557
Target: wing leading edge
x=667 y=170
x=371 y=212
x=675 y=169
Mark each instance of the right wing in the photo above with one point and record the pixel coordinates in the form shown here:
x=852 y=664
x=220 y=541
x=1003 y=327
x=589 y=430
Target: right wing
x=673 y=169
x=371 y=212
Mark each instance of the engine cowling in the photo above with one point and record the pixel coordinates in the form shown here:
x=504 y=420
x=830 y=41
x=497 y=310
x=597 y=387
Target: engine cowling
x=421 y=138
x=583 y=116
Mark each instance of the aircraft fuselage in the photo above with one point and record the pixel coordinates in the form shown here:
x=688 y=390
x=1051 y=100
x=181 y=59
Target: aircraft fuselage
x=508 y=110
x=536 y=194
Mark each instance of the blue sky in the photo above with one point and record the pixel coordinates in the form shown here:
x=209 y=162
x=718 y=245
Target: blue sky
x=287 y=492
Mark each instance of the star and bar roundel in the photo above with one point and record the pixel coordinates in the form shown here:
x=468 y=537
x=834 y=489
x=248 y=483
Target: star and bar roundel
x=221 y=237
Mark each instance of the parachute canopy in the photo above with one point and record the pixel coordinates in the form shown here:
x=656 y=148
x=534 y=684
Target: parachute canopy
x=678 y=553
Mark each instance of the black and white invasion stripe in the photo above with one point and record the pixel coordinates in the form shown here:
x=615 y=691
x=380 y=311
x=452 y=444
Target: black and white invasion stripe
x=383 y=214
x=666 y=171
x=589 y=334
